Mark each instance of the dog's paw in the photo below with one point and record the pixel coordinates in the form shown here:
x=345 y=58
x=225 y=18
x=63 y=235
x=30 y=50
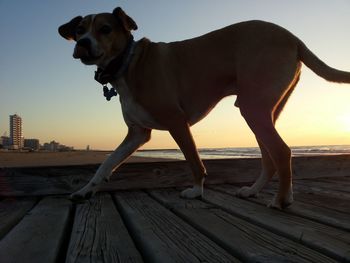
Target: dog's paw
x=245 y=192
x=82 y=195
x=281 y=203
x=191 y=193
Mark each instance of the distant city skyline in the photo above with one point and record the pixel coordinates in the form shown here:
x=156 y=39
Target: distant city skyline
x=16 y=140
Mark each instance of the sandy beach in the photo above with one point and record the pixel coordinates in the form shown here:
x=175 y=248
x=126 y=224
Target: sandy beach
x=34 y=159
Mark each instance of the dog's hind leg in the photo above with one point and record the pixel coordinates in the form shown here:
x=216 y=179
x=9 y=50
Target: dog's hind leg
x=268 y=169
x=260 y=120
x=183 y=137
x=135 y=138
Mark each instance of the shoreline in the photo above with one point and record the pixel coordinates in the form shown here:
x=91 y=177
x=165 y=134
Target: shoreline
x=41 y=159
x=11 y=159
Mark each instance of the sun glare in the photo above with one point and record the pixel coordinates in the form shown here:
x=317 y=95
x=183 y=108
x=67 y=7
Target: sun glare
x=344 y=121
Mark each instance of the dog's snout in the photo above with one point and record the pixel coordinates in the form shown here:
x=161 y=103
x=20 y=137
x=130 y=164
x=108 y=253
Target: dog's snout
x=83 y=48
x=84 y=42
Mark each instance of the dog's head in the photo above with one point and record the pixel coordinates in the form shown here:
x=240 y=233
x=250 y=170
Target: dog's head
x=99 y=38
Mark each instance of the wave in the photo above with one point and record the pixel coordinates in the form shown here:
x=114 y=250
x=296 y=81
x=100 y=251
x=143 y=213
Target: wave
x=245 y=152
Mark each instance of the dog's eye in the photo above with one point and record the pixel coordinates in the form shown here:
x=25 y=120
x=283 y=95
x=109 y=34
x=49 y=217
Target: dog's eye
x=80 y=30
x=105 y=30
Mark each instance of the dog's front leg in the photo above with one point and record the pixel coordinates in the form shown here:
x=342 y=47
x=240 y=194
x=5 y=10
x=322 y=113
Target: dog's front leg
x=135 y=138
x=183 y=137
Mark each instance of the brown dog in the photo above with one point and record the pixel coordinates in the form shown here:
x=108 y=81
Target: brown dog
x=170 y=86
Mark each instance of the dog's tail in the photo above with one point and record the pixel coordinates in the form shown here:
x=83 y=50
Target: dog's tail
x=321 y=68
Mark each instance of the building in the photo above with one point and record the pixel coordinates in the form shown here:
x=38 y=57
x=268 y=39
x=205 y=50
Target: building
x=32 y=144
x=56 y=147
x=5 y=142
x=51 y=147
x=16 y=137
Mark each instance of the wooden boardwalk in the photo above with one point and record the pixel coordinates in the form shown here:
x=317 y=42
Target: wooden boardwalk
x=155 y=225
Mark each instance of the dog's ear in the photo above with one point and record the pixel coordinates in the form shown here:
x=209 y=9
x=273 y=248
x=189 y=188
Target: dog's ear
x=67 y=30
x=127 y=22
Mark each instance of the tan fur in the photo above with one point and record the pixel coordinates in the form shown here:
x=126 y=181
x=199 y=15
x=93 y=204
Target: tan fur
x=174 y=85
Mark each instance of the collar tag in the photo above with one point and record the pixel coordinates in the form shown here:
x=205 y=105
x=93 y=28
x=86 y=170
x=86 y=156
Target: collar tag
x=109 y=93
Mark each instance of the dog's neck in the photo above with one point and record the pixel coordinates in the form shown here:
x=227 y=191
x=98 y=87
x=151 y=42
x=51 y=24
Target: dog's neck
x=117 y=66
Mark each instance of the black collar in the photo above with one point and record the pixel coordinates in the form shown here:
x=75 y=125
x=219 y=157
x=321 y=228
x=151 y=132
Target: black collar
x=117 y=66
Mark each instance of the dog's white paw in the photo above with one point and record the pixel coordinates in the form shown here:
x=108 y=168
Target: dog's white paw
x=245 y=192
x=281 y=204
x=83 y=194
x=191 y=193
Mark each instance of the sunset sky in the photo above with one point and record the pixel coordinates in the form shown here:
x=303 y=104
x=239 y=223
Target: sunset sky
x=58 y=98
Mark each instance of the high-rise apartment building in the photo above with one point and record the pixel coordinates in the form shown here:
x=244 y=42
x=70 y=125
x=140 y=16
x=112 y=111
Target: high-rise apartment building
x=16 y=131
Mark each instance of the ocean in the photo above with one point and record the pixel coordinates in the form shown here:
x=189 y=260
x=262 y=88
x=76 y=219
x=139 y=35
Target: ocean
x=245 y=152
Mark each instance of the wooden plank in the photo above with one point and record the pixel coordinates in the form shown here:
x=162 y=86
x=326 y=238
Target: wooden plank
x=164 y=237
x=321 y=166
x=345 y=181
x=99 y=234
x=330 y=241
x=329 y=202
x=318 y=197
x=12 y=211
x=39 y=181
x=324 y=185
x=300 y=207
x=322 y=191
x=38 y=237
x=316 y=213
x=64 y=180
x=248 y=242
x=311 y=189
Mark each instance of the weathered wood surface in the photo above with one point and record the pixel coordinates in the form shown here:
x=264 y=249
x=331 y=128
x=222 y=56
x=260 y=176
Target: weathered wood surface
x=158 y=226
x=338 y=187
x=250 y=243
x=321 y=197
x=12 y=211
x=43 y=180
x=320 y=214
x=325 y=192
x=344 y=181
x=164 y=237
x=328 y=240
x=39 y=236
x=304 y=205
x=99 y=234
x=64 y=180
